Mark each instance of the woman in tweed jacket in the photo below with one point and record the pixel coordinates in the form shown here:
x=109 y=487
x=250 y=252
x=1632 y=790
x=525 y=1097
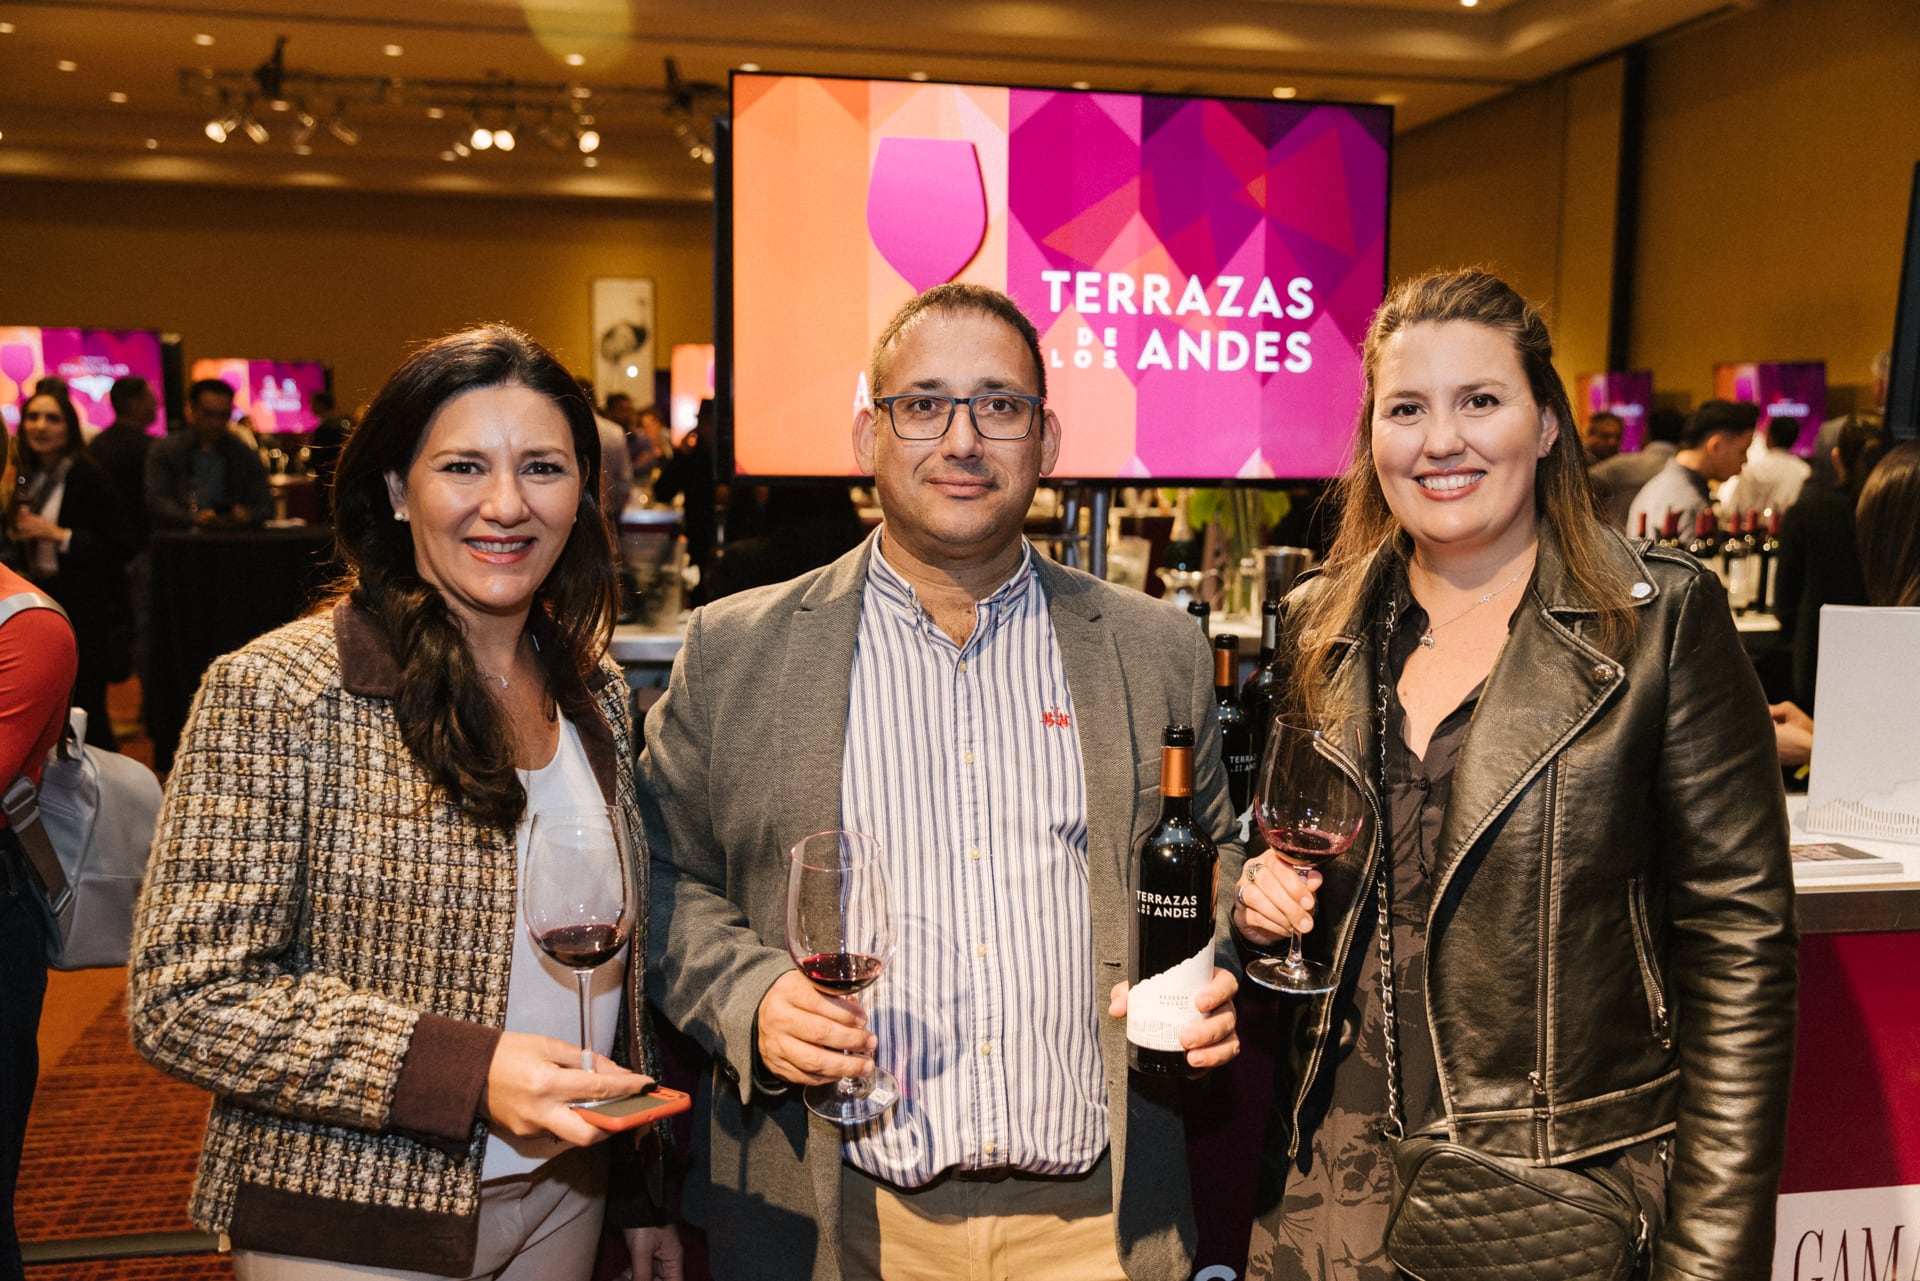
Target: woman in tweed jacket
x=327 y=933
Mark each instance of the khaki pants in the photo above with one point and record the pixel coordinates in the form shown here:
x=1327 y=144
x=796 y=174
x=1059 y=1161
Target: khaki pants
x=1018 y=1229
x=542 y=1226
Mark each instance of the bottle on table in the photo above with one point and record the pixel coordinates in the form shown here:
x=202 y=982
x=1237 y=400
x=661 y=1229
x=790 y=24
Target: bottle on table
x=1170 y=947
x=1705 y=543
x=1733 y=565
x=1201 y=613
x=1769 y=555
x=1258 y=696
x=1236 y=733
x=1670 y=530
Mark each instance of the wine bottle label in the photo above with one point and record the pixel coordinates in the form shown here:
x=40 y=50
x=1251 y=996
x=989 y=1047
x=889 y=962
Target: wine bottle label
x=1159 y=1007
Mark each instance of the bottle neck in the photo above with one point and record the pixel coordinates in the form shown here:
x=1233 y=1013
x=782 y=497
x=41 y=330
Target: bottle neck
x=1176 y=782
x=1224 y=677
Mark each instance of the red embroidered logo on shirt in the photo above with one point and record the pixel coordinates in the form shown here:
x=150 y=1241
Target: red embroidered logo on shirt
x=1056 y=718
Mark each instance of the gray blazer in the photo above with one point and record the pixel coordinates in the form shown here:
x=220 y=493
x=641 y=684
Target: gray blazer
x=745 y=754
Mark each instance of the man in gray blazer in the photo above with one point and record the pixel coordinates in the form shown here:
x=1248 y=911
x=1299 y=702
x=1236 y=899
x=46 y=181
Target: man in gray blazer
x=995 y=721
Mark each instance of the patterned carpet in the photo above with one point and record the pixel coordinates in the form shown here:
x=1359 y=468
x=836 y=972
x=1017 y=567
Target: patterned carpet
x=110 y=1151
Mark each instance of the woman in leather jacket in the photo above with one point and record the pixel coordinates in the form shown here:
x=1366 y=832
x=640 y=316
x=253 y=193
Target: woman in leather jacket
x=1590 y=899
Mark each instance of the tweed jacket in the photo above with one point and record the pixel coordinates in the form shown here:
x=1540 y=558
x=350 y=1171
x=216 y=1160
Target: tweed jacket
x=745 y=753
x=323 y=941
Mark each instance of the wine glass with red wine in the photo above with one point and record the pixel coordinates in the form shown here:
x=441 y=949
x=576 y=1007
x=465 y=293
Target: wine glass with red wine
x=577 y=896
x=840 y=934
x=1310 y=811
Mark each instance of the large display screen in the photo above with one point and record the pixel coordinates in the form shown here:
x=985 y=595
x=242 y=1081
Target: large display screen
x=89 y=359
x=273 y=395
x=692 y=370
x=1201 y=270
x=1795 y=389
x=1627 y=395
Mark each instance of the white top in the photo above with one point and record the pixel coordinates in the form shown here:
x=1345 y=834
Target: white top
x=541 y=999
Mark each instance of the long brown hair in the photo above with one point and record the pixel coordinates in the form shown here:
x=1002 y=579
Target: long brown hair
x=1563 y=497
x=450 y=723
x=1886 y=524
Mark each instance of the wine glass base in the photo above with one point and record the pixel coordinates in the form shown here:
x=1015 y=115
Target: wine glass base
x=867 y=1100
x=1305 y=979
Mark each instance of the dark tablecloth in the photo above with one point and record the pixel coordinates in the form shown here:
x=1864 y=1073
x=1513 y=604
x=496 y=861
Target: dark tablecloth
x=213 y=591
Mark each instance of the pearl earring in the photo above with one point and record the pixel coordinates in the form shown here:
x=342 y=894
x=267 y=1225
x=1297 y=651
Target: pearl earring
x=400 y=515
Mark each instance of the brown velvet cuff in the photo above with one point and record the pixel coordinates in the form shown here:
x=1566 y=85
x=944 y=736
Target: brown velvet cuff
x=442 y=1081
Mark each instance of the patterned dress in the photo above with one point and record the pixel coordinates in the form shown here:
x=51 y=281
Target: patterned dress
x=1323 y=1216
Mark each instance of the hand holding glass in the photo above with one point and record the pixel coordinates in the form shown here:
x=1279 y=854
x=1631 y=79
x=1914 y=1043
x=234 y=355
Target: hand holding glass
x=577 y=897
x=840 y=934
x=1309 y=811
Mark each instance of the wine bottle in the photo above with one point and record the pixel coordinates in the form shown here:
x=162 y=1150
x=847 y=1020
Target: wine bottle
x=1769 y=552
x=1263 y=686
x=1236 y=733
x=1733 y=565
x=1201 y=613
x=1703 y=545
x=1640 y=526
x=1670 y=529
x=1170 y=949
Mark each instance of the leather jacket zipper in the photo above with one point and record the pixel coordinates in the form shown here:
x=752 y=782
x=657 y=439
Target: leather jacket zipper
x=1340 y=952
x=1649 y=969
x=1538 y=1077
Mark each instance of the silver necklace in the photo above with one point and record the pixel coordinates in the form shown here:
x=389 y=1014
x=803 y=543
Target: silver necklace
x=1426 y=637
x=490 y=676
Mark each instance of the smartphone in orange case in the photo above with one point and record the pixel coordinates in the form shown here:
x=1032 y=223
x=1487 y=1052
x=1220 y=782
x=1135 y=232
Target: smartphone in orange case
x=635 y=1110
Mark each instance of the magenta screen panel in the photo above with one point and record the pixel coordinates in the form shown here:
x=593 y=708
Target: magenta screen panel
x=273 y=394
x=89 y=359
x=1795 y=389
x=1201 y=271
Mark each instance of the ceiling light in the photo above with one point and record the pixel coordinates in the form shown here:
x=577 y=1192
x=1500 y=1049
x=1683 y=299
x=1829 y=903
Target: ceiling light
x=217 y=130
x=576 y=59
x=436 y=113
x=304 y=125
x=116 y=97
x=279 y=104
x=1468 y=4
x=482 y=138
x=67 y=64
x=749 y=66
x=203 y=39
x=503 y=139
x=302 y=149
x=1083 y=84
x=581 y=91
x=916 y=75
x=153 y=144
x=256 y=131
x=392 y=50
x=346 y=133
x=448 y=155
x=1285 y=91
x=460 y=147
x=591 y=162
x=589 y=141
x=6 y=28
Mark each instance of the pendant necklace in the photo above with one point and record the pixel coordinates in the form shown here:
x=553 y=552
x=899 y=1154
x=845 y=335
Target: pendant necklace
x=1426 y=637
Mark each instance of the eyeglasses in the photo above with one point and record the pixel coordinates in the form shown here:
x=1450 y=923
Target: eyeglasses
x=996 y=415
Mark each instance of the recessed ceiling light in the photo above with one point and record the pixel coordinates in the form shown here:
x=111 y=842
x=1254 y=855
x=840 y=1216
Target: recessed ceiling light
x=279 y=104
x=203 y=39
x=436 y=113
x=749 y=66
x=6 y=28
x=1468 y=4
x=1285 y=91
x=67 y=64
x=448 y=155
x=591 y=162
x=582 y=92
x=116 y=97
x=153 y=144
x=1083 y=84
x=576 y=59
x=303 y=149
x=916 y=75
x=392 y=50
x=2 y=134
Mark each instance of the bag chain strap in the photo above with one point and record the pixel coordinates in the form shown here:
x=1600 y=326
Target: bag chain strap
x=1396 y=1122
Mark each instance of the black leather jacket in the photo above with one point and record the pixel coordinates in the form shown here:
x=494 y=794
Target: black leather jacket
x=1610 y=952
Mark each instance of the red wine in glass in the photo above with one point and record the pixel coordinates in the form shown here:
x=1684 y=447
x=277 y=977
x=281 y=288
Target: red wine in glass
x=1309 y=810
x=840 y=973
x=840 y=935
x=576 y=894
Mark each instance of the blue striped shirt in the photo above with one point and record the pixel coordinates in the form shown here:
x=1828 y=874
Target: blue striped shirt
x=964 y=761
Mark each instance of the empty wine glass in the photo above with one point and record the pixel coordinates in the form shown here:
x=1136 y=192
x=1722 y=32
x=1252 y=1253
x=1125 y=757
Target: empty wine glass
x=840 y=934
x=577 y=896
x=1310 y=811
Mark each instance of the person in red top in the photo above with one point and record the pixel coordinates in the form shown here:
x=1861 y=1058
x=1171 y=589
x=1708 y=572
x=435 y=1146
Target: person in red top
x=37 y=665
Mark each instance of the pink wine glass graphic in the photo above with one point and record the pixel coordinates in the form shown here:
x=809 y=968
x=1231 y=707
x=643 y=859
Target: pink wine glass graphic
x=926 y=207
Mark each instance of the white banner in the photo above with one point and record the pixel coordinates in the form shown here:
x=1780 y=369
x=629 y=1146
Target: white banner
x=1856 y=1234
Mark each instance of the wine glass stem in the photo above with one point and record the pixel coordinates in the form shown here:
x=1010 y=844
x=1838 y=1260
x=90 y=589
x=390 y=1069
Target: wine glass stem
x=582 y=980
x=1296 y=961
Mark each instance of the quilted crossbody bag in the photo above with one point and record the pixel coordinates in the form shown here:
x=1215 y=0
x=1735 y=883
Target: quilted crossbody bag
x=1462 y=1214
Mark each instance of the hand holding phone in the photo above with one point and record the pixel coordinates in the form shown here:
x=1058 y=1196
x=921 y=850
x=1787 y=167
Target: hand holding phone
x=634 y=1110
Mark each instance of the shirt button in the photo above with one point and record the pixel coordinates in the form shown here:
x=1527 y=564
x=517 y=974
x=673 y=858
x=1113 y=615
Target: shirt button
x=969 y=758
x=974 y=853
x=963 y=665
x=979 y=949
x=986 y=1047
x=989 y=1147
